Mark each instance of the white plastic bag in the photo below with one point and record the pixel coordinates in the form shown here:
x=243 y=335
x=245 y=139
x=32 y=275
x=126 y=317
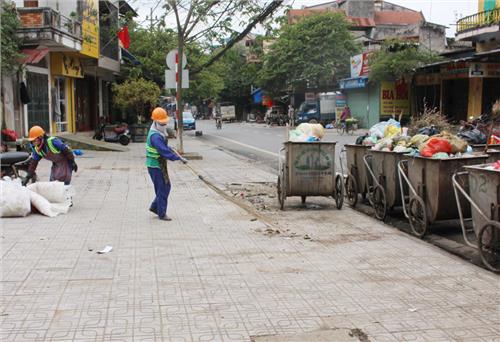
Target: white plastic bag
x=45 y=207
x=54 y=192
x=378 y=130
x=14 y=199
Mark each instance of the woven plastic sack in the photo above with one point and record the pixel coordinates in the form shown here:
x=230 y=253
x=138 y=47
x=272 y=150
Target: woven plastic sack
x=55 y=192
x=14 y=199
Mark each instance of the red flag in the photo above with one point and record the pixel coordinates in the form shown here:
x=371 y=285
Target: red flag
x=124 y=37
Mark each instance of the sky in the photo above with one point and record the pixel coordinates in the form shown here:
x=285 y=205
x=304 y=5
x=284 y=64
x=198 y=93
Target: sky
x=443 y=12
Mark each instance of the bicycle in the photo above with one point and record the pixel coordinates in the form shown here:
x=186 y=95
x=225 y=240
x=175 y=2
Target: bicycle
x=345 y=127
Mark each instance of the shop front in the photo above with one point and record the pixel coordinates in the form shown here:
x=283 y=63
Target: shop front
x=66 y=68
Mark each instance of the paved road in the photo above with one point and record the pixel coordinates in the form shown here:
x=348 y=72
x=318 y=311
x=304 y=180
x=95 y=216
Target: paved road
x=257 y=141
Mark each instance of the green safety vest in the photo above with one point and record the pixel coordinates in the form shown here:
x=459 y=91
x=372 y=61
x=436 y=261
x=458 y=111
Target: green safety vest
x=50 y=144
x=152 y=154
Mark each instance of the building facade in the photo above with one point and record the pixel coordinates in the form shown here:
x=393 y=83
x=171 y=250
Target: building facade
x=72 y=56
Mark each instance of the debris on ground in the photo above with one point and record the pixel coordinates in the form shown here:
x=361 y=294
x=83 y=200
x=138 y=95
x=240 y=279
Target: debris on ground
x=271 y=232
x=307 y=237
x=105 y=250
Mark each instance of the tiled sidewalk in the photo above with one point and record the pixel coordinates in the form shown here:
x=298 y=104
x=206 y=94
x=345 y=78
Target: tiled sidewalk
x=212 y=275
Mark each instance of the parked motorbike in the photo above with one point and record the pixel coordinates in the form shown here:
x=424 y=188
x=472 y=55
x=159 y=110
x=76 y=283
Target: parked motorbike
x=113 y=133
x=15 y=165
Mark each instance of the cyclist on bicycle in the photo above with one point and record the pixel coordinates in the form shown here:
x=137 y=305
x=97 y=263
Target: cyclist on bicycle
x=346 y=114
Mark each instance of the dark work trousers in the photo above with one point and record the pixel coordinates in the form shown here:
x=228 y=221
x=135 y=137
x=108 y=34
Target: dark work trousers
x=162 y=190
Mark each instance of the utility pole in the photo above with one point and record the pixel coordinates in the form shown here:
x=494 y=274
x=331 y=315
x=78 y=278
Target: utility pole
x=150 y=19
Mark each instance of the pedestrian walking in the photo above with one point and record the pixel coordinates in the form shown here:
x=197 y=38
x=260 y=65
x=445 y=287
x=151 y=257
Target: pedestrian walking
x=53 y=149
x=157 y=154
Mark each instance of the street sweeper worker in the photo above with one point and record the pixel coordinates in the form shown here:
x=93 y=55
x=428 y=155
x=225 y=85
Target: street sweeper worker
x=157 y=154
x=53 y=149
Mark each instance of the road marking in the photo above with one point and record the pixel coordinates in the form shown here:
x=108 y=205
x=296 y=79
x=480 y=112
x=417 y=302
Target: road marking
x=245 y=145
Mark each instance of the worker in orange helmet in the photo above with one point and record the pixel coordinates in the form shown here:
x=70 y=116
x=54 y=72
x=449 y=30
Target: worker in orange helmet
x=53 y=149
x=157 y=154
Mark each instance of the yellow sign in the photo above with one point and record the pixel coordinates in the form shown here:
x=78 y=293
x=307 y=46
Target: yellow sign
x=66 y=65
x=90 y=28
x=394 y=98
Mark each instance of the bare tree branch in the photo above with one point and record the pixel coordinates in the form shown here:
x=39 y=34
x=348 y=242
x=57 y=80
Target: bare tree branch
x=173 y=3
x=198 y=18
x=261 y=17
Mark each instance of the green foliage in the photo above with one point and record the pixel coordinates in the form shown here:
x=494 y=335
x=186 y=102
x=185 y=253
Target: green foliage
x=312 y=52
x=397 y=59
x=9 y=44
x=138 y=94
x=150 y=47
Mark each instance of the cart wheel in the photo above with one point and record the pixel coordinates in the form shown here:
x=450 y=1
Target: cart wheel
x=351 y=190
x=488 y=243
x=303 y=199
x=379 y=202
x=417 y=216
x=339 y=192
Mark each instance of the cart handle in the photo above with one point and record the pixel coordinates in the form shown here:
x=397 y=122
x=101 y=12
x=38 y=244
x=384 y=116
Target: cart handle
x=456 y=188
x=280 y=158
x=370 y=171
x=402 y=175
x=343 y=150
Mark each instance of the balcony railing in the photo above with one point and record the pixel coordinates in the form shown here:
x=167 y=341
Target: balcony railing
x=479 y=20
x=48 y=18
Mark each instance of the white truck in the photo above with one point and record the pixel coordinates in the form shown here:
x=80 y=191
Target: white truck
x=228 y=111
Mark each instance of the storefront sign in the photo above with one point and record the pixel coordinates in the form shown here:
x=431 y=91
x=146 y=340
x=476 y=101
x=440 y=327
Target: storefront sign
x=360 y=65
x=484 y=70
x=394 y=98
x=310 y=97
x=66 y=65
x=455 y=70
x=90 y=28
x=353 y=83
x=427 y=79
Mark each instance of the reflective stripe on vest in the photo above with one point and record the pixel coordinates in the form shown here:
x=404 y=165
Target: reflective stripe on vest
x=50 y=144
x=151 y=152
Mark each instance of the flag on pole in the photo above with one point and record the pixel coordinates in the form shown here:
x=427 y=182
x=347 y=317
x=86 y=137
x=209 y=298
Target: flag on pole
x=124 y=37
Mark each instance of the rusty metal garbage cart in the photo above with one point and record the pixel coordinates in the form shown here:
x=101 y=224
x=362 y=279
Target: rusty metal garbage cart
x=483 y=195
x=308 y=169
x=355 y=173
x=429 y=192
x=382 y=180
x=493 y=151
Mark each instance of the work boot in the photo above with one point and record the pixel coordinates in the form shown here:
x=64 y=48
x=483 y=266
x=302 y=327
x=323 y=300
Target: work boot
x=153 y=210
x=165 y=218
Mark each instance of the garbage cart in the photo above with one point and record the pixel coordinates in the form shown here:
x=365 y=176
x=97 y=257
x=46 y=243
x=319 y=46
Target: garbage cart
x=355 y=173
x=493 y=151
x=382 y=181
x=480 y=185
x=308 y=169
x=430 y=189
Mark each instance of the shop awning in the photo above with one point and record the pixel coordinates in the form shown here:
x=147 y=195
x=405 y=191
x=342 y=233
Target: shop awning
x=34 y=56
x=130 y=57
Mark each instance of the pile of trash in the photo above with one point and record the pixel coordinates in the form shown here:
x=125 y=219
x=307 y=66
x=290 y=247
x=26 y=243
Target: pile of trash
x=47 y=198
x=307 y=132
x=429 y=142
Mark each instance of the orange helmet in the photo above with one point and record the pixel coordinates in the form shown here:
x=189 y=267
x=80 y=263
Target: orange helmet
x=35 y=132
x=159 y=114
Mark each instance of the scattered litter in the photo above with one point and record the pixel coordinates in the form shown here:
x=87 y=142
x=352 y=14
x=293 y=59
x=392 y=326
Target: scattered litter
x=105 y=250
x=78 y=152
x=412 y=309
x=253 y=219
x=307 y=237
x=270 y=231
x=313 y=206
x=90 y=249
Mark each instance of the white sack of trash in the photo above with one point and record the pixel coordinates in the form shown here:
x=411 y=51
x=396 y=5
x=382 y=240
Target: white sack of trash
x=48 y=198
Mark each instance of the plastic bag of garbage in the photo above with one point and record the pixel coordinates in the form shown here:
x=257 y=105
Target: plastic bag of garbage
x=473 y=136
x=370 y=141
x=383 y=145
x=418 y=140
x=55 y=192
x=430 y=131
x=378 y=130
x=402 y=149
x=391 y=131
x=441 y=155
x=305 y=128
x=47 y=208
x=317 y=131
x=14 y=199
x=297 y=136
x=435 y=145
